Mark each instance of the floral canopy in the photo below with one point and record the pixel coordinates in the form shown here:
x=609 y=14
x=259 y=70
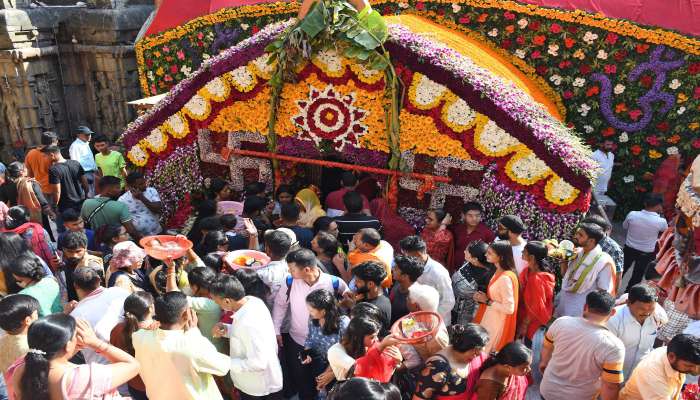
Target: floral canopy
x=465 y=115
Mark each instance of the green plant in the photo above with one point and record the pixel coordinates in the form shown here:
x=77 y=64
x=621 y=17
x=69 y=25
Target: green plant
x=336 y=24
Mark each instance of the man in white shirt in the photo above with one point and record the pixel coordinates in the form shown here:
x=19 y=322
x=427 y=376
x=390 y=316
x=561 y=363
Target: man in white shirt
x=636 y=324
x=581 y=358
x=255 y=368
x=144 y=205
x=606 y=159
x=177 y=362
x=643 y=229
x=80 y=151
x=102 y=308
x=277 y=245
x=590 y=271
x=434 y=274
x=511 y=228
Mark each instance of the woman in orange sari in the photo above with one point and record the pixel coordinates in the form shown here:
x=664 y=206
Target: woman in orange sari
x=439 y=239
x=537 y=284
x=498 y=311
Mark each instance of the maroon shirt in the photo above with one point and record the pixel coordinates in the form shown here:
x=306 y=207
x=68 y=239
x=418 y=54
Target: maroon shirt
x=335 y=200
x=463 y=239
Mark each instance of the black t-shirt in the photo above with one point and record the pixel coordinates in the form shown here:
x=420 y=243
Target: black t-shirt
x=384 y=305
x=68 y=175
x=236 y=242
x=350 y=224
x=399 y=303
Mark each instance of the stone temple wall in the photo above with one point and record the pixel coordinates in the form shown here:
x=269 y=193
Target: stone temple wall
x=63 y=65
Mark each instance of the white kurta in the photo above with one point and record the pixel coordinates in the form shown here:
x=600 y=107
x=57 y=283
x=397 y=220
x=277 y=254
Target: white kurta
x=637 y=338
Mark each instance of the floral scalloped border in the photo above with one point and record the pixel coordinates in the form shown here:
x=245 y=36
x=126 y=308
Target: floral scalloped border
x=499 y=200
x=524 y=67
x=559 y=140
x=501 y=93
x=244 y=51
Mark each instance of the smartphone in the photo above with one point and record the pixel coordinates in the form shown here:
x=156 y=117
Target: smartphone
x=303 y=354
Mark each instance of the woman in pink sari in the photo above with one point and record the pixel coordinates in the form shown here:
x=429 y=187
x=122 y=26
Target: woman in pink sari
x=394 y=227
x=504 y=375
x=46 y=372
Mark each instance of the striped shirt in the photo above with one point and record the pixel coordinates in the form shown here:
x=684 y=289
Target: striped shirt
x=583 y=354
x=350 y=224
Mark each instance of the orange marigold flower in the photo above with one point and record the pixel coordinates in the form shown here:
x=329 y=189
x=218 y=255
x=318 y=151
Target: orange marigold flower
x=674 y=139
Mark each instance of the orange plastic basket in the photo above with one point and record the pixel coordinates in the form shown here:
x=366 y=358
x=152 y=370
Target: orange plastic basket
x=428 y=321
x=163 y=247
x=233 y=259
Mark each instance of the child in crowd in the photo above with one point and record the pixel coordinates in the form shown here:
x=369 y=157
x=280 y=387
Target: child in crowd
x=17 y=312
x=236 y=240
x=107 y=237
x=73 y=222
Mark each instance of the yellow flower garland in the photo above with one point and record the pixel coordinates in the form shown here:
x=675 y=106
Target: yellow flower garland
x=559 y=192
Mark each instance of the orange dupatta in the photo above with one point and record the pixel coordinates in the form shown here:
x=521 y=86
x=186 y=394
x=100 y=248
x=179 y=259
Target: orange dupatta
x=511 y=322
x=26 y=197
x=538 y=299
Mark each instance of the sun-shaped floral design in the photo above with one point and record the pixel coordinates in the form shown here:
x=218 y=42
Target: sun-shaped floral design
x=331 y=116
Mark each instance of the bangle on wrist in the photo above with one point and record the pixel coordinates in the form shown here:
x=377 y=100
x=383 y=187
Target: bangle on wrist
x=101 y=347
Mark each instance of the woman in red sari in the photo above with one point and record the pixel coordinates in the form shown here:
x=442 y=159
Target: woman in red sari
x=504 y=375
x=666 y=181
x=394 y=227
x=438 y=238
x=538 y=292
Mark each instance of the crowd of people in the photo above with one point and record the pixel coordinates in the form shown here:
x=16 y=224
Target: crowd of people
x=87 y=314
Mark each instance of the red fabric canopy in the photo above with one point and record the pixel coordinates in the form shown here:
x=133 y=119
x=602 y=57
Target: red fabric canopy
x=679 y=15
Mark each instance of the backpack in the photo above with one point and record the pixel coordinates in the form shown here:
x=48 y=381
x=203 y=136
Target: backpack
x=88 y=220
x=334 y=279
